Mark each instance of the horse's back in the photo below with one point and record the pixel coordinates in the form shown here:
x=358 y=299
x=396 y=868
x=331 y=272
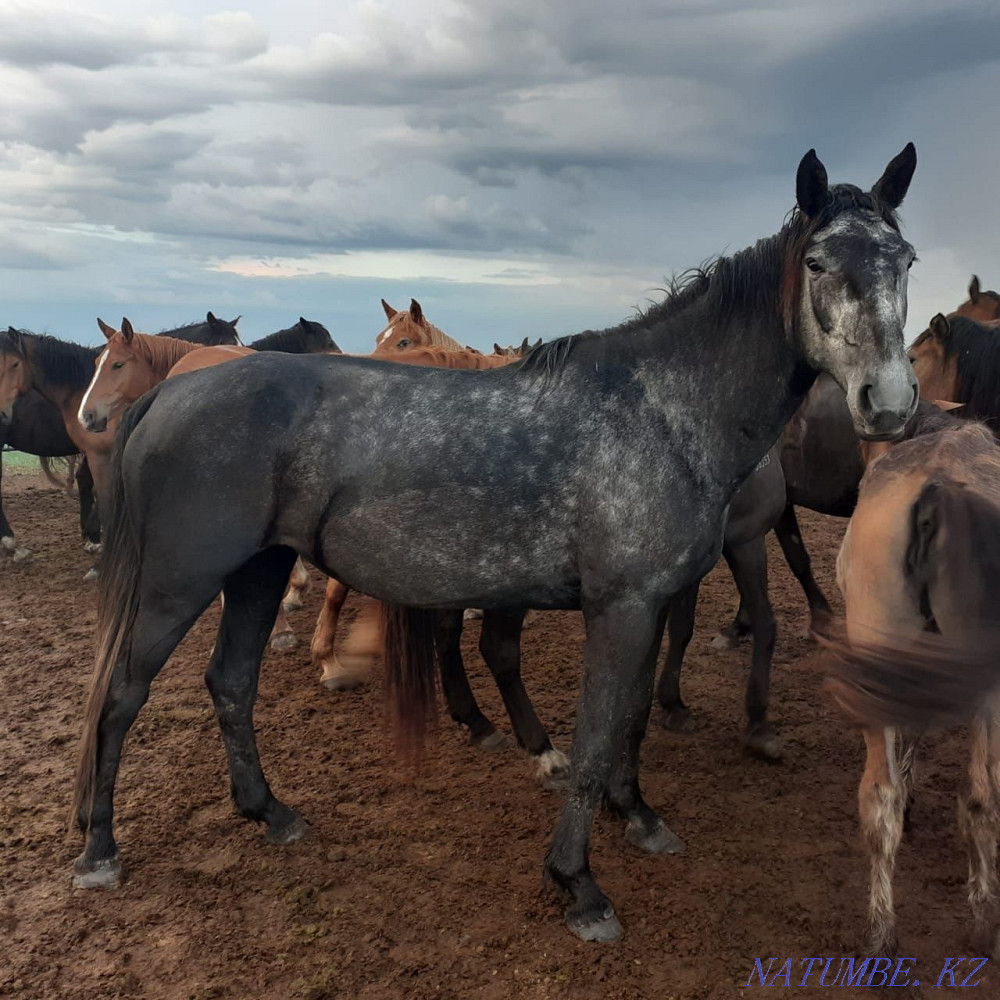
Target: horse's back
x=206 y=357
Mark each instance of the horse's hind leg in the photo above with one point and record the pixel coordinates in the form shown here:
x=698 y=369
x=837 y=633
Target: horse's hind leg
x=790 y=538
x=880 y=802
x=160 y=624
x=500 y=644
x=675 y=715
x=90 y=522
x=336 y=676
x=979 y=819
x=462 y=704
x=907 y=772
x=252 y=596
x=749 y=567
x=298 y=587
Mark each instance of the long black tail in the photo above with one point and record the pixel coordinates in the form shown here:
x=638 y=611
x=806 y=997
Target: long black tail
x=117 y=603
x=410 y=673
x=953 y=560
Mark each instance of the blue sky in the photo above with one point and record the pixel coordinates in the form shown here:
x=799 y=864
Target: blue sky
x=523 y=169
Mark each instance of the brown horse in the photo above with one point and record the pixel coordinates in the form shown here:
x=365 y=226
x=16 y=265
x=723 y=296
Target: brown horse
x=408 y=328
x=919 y=569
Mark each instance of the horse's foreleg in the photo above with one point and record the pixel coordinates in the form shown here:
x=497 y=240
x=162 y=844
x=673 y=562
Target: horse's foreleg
x=619 y=661
x=908 y=772
x=790 y=538
x=462 y=704
x=282 y=634
x=500 y=645
x=675 y=715
x=252 y=597
x=90 y=522
x=336 y=676
x=880 y=802
x=7 y=541
x=979 y=820
x=298 y=587
x=748 y=564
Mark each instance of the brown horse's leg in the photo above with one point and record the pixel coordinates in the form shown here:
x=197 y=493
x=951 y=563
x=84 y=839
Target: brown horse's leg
x=979 y=819
x=282 y=635
x=298 y=587
x=790 y=538
x=880 y=802
x=336 y=675
x=99 y=463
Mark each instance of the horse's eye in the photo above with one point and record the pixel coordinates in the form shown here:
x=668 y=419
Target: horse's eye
x=814 y=265
x=118 y=364
x=403 y=344
x=908 y=266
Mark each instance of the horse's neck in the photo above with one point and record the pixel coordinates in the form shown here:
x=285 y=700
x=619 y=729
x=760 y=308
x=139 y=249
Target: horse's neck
x=65 y=395
x=727 y=386
x=163 y=353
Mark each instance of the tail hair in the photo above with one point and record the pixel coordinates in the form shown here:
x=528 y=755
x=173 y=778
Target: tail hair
x=410 y=675
x=117 y=604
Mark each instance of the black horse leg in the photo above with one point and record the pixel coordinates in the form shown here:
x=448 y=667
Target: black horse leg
x=160 y=624
x=7 y=542
x=748 y=563
x=790 y=537
x=680 y=628
x=500 y=644
x=645 y=829
x=619 y=660
x=462 y=704
x=90 y=522
x=252 y=597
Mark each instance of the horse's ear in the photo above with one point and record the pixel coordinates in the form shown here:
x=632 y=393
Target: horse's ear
x=416 y=312
x=524 y=346
x=812 y=188
x=210 y=319
x=127 y=332
x=233 y=322
x=108 y=331
x=944 y=404
x=304 y=323
x=389 y=311
x=940 y=327
x=537 y=343
x=15 y=337
x=974 y=289
x=892 y=186
x=497 y=349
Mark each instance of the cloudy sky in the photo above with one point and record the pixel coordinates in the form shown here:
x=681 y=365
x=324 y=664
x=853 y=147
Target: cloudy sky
x=522 y=167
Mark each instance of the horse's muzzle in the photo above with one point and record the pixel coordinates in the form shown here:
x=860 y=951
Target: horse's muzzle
x=94 y=424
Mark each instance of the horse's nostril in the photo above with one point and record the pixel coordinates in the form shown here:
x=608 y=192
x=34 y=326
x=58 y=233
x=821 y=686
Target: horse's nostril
x=865 y=398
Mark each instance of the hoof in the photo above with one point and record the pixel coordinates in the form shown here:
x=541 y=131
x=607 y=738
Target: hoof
x=92 y=547
x=343 y=682
x=7 y=543
x=661 y=840
x=291 y=604
x=603 y=928
x=472 y=614
x=22 y=555
x=763 y=743
x=678 y=720
x=91 y=573
x=493 y=742
x=552 y=770
x=284 y=642
x=89 y=874
x=726 y=640
x=288 y=833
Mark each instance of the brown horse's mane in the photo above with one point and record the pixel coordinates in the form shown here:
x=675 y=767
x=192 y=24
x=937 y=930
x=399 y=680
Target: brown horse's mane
x=60 y=362
x=745 y=281
x=162 y=353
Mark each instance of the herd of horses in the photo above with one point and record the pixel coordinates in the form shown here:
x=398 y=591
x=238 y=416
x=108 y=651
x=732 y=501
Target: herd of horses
x=606 y=472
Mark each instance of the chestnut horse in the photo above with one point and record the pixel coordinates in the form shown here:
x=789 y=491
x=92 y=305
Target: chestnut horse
x=409 y=328
x=919 y=569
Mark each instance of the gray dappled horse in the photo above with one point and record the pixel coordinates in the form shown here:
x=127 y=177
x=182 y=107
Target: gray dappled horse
x=594 y=474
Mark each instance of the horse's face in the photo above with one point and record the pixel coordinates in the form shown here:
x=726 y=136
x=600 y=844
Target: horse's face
x=15 y=373
x=983 y=307
x=317 y=337
x=852 y=305
x=407 y=329
x=935 y=369
x=121 y=376
x=516 y=350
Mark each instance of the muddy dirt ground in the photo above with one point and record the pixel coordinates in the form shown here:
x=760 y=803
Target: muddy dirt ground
x=429 y=885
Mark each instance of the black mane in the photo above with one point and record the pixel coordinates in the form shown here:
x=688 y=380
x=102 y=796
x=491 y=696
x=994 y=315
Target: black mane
x=298 y=339
x=763 y=279
x=60 y=361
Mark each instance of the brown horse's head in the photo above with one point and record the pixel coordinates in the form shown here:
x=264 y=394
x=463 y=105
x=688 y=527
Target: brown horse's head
x=934 y=363
x=981 y=306
x=122 y=374
x=15 y=373
x=516 y=351
x=407 y=329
